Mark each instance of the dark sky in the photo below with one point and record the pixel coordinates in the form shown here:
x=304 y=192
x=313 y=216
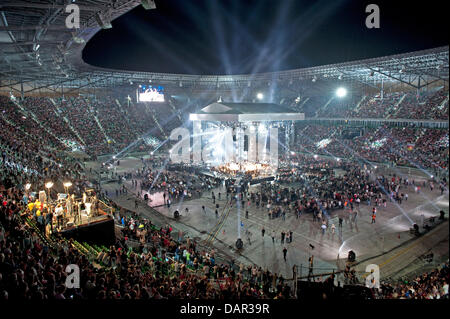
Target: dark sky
x=240 y=36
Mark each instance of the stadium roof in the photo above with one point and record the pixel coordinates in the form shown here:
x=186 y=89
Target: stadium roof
x=246 y=112
x=37 y=49
x=244 y=108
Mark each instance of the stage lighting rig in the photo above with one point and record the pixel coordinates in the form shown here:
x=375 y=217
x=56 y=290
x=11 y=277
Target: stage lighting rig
x=104 y=20
x=148 y=4
x=77 y=39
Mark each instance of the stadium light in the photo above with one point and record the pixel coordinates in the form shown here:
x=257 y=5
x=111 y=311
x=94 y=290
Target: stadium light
x=341 y=92
x=259 y=96
x=104 y=20
x=66 y=186
x=148 y=4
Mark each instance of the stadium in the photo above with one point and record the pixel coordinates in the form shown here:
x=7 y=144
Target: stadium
x=324 y=181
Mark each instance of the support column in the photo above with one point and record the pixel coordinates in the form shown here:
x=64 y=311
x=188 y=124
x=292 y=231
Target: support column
x=21 y=91
x=197 y=142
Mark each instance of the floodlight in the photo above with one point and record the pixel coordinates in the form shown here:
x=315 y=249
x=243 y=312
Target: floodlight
x=49 y=184
x=259 y=96
x=103 y=20
x=148 y=4
x=341 y=92
x=261 y=128
x=67 y=184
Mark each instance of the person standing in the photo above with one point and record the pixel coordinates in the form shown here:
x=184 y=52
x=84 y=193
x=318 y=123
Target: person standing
x=290 y=236
x=283 y=234
x=273 y=236
x=324 y=227
x=311 y=265
x=333 y=228
x=340 y=222
x=263 y=231
x=373 y=218
x=284 y=253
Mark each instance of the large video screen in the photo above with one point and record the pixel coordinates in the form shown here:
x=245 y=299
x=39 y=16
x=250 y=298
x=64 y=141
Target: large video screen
x=150 y=93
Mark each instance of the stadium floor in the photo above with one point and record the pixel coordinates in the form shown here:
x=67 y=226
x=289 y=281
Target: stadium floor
x=388 y=235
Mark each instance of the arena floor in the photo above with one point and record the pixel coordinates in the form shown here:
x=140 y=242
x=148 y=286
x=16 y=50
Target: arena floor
x=369 y=241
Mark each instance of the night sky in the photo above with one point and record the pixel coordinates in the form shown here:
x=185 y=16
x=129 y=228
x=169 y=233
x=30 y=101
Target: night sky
x=240 y=36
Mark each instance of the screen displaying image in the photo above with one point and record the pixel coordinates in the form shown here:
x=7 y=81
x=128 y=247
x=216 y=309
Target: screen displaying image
x=150 y=93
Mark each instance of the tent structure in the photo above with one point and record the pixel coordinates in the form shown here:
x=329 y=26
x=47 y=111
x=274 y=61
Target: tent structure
x=246 y=112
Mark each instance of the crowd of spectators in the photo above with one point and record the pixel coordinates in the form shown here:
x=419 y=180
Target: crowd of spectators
x=414 y=147
x=427 y=105
x=163 y=264
x=175 y=182
x=431 y=285
x=161 y=267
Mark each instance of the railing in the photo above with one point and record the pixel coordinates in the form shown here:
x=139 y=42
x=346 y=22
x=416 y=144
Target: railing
x=374 y=122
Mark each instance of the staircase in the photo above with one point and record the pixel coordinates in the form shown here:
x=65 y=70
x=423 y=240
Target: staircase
x=91 y=110
x=440 y=107
x=120 y=105
x=175 y=111
x=356 y=109
x=396 y=107
x=422 y=132
x=323 y=107
x=65 y=119
x=33 y=116
x=303 y=103
x=152 y=112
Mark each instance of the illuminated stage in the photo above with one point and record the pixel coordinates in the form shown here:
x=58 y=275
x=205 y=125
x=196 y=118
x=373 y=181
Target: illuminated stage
x=236 y=137
x=84 y=219
x=253 y=170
